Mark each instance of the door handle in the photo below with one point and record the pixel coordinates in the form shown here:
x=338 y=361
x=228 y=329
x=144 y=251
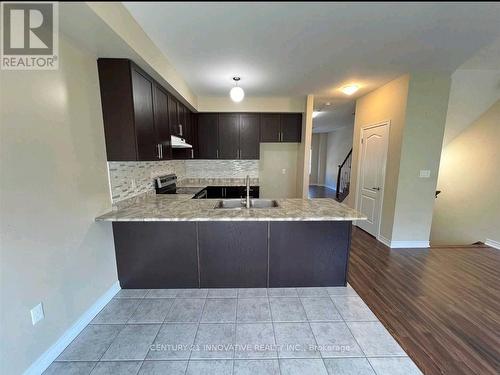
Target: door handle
x=376 y=188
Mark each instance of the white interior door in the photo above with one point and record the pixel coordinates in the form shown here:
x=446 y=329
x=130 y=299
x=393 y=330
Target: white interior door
x=374 y=142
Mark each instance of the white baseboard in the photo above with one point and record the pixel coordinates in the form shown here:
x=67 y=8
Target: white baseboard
x=403 y=244
x=409 y=244
x=44 y=361
x=492 y=243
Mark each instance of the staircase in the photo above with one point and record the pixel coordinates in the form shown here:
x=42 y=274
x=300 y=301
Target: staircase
x=344 y=178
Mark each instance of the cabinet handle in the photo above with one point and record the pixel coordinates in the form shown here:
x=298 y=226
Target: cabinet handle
x=161 y=151
x=158 y=150
x=180 y=130
x=217 y=153
x=192 y=154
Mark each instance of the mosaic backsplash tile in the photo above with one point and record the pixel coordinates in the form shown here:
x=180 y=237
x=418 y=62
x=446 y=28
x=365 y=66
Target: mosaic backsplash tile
x=128 y=179
x=222 y=168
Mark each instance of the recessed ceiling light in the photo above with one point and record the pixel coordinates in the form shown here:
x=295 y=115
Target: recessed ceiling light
x=349 y=89
x=315 y=113
x=237 y=94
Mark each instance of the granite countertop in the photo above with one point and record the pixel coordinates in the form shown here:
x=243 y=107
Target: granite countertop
x=180 y=207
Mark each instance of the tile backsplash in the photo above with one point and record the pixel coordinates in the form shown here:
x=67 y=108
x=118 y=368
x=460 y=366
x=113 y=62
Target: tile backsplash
x=131 y=178
x=222 y=168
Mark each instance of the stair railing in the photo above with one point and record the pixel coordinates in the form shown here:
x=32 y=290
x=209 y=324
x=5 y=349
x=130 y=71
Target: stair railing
x=344 y=178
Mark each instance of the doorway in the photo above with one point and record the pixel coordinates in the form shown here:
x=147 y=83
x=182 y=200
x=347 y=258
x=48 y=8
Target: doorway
x=371 y=175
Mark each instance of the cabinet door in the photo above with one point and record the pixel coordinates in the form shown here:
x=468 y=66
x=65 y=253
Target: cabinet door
x=233 y=254
x=270 y=127
x=162 y=126
x=249 y=136
x=156 y=255
x=173 y=117
x=308 y=253
x=182 y=120
x=116 y=92
x=142 y=88
x=207 y=136
x=229 y=136
x=291 y=127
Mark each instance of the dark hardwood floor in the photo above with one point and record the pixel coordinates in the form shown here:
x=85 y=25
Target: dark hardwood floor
x=316 y=191
x=441 y=304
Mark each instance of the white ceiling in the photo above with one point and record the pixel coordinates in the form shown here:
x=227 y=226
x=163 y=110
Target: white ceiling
x=294 y=49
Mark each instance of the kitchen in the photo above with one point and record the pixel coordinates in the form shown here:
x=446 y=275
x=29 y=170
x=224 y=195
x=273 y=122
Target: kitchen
x=227 y=235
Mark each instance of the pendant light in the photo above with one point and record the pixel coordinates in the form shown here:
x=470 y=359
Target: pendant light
x=237 y=94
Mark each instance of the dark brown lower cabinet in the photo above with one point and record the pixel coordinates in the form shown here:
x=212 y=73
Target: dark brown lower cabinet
x=156 y=254
x=308 y=253
x=233 y=254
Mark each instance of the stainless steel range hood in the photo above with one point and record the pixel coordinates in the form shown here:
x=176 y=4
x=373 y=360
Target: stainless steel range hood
x=178 y=142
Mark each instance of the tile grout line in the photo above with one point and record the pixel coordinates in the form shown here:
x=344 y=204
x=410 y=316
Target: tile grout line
x=274 y=332
x=196 y=334
x=314 y=336
x=235 y=329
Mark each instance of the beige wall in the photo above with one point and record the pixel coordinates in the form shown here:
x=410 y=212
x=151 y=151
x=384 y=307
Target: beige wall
x=250 y=104
x=426 y=109
x=322 y=158
x=339 y=142
x=304 y=153
x=416 y=107
x=468 y=209
x=386 y=103
x=274 y=157
x=53 y=182
x=315 y=156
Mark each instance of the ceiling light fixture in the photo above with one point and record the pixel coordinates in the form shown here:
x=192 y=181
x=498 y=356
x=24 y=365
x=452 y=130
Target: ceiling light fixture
x=237 y=94
x=349 y=89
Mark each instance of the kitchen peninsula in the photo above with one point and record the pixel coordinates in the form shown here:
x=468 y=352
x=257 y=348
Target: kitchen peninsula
x=165 y=241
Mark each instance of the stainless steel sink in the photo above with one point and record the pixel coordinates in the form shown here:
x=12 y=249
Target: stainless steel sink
x=240 y=204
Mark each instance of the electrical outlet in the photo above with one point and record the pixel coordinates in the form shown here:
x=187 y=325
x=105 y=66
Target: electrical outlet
x=37 y=313
x=425 y=173
x=283 y=171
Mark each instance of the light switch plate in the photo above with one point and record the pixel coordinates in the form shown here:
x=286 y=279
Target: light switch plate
x=37 y=313
x=425 y=173
x=283 y=171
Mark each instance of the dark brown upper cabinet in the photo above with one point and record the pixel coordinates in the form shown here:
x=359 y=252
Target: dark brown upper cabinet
x=281 y=127
x=249 y=136
x=270 y=130
x=291 y=127
x=173 y=115
x=229 y=136
x=207 y=136
x=161 y=122
x=128 y=114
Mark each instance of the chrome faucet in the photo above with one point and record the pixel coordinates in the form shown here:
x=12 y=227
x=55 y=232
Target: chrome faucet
x=247 y=203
